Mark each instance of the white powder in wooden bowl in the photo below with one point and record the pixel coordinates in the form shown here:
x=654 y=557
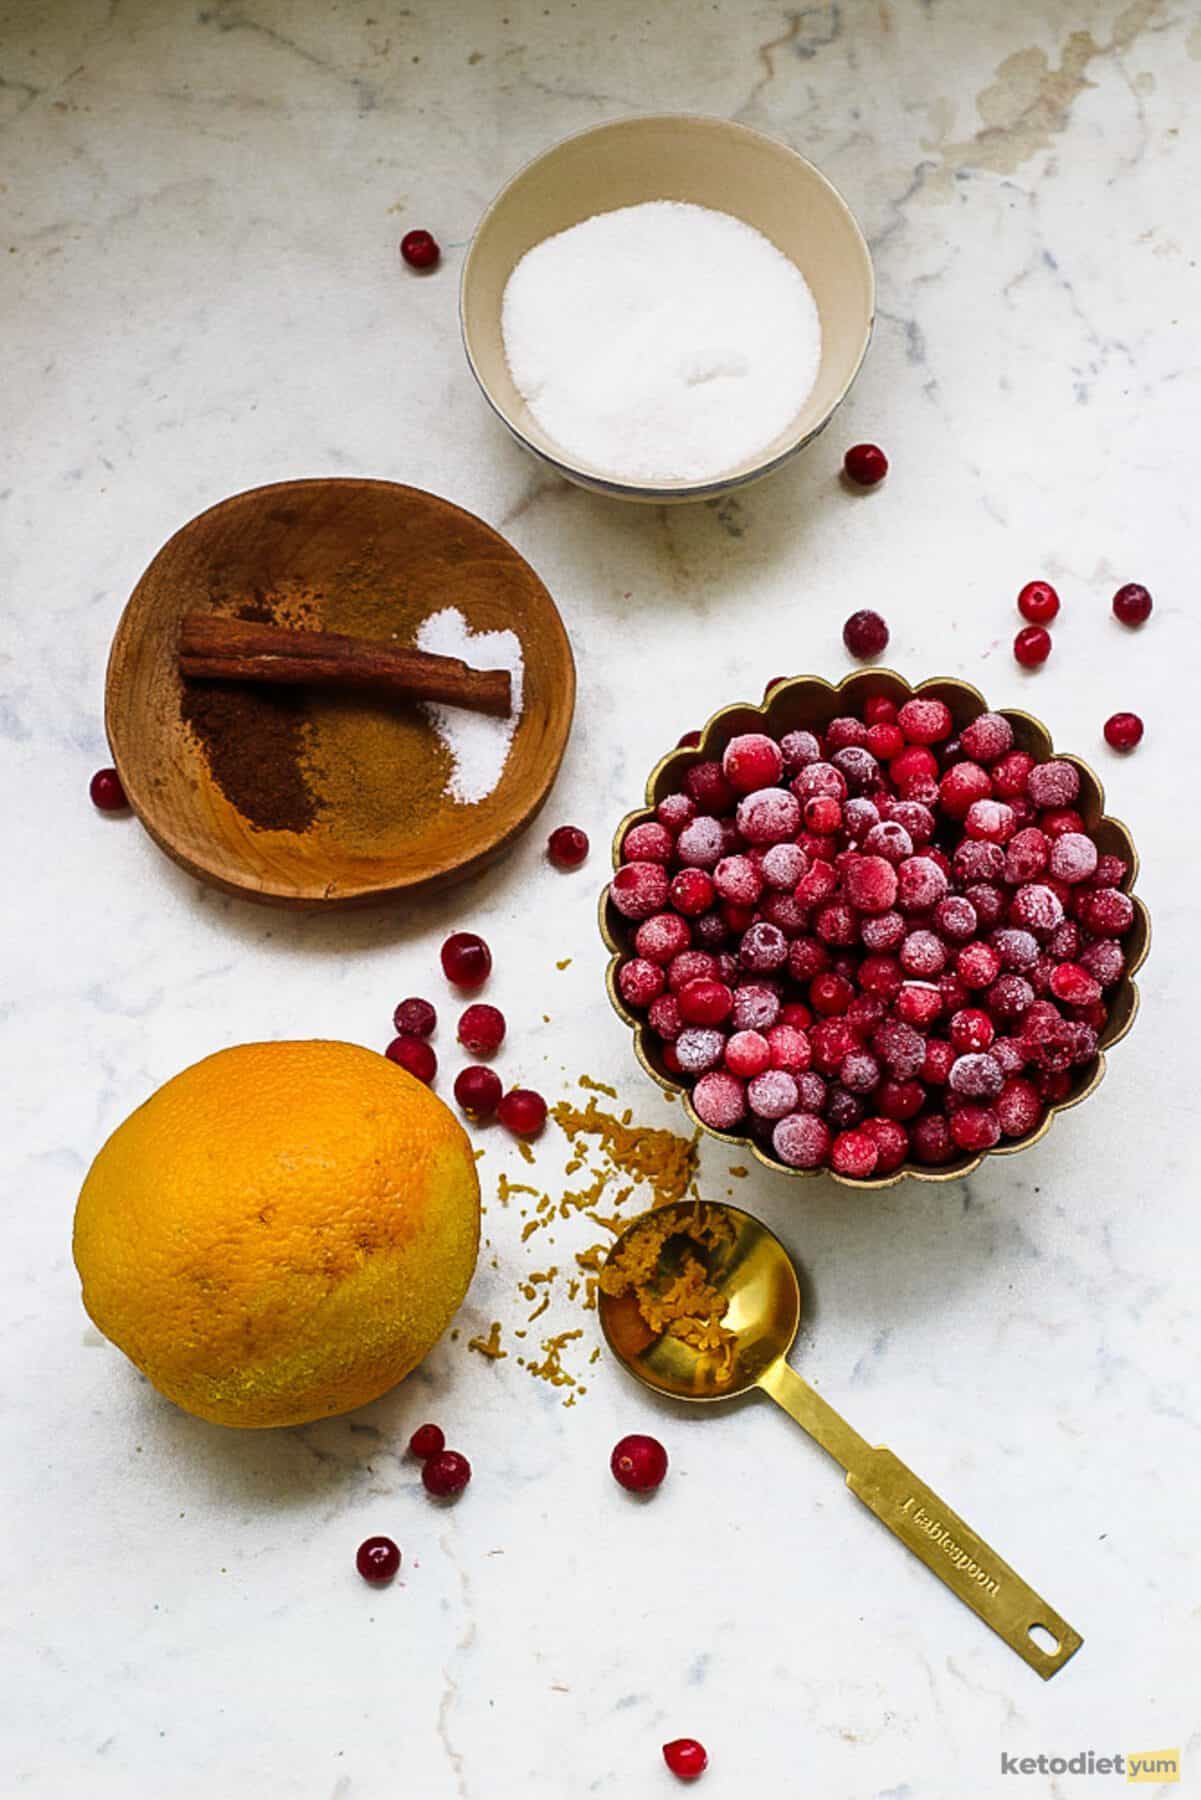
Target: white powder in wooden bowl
x=478 y=745
x=662 y=341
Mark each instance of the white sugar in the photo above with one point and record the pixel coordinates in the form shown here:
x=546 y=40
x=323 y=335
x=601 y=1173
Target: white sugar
x=662 y=341
x=478 y=745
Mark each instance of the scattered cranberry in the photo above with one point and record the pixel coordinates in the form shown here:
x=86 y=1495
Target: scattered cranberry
x=106 y=791
x=752 y=761
x=377 y=1560
x=865 y=634
x=466 y=959
x=686 y=1758
x=446 y=1473
x=1123 y=731
x=865 y=464
x=567 y=846
x=415 y=1055
x=420 y=250
x=638 y=1463
x=482 y=1029
x=427 y=1441
x=1032 y=646
x=478 y=1091
x=1038 y=602
x=1132 y=604
x=523 y=1112
x=415 y=1018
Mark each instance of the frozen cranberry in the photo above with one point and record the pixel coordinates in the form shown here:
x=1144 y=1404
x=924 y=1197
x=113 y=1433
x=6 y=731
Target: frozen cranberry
x=923 y=954
x=1047 y=1039
x=783 y=865
x=686 y=1758
x=747 y=1054
x=1026 y=855
x=921 y=884
x=647 y=842
x=1107 y=912
x=971 y=1029
x=707 y=784
x=665 y=1018
x=719 y=1101
x=915 y=817
x=639 y=981
x=752 y=761
x=415 y=1055
x=1009 y=997
x=975 y=1127
x=700 y=844
x=846 y=731
x=763 y=948
x=705 y=1002
x=699 y=1047
x=688 y=740
x=900 y=1046
x=636 y=890
x=918 y=1004
x=976 y=859
x=930 y=1137
x=427 y=1441
x=1010 y=1053
x=1031 y=647
x=1053 y=783
x=415 y=1018
x=106 y=792
x=865 y=464
x=1056 y=821
x=691 y=965
x=377 y=1560
x=897 y=1099
x=482 y=1029
x=420 y=249
x=799 y=748
x=860 y=1072
x=769 y=816
x=674 y=812
x=788 y=1048
x=1009 y=776
x=523 y=1112
x=1104 y=961
x=669 y=1059
x=925 y=721
x=823 y=815
x=988 y=901
x=756 y=1007
x=858 y=768
x=1073 y=857
x=991 y=820
x=817 y=884
x=936 y=1064
x=1132 y=604
x=830 y=994
x=1054 y=1084
x=1018 y=1107
x=691 y=892
x=1016 y=949
x=467 y=960
x=880 y=932
x=889 y=841
x=1074 y=985
x=885 y=740
x=793 y=1012
x=1123 y=730
x=961 y=787
x=977 y=1076
x=870 y=883
x=478 y=1090
x=831 y=1042
x=864 y=1014
x=811 y=1091
x=1083 y=1040
x=773 y=1094
x=836 y=924
x=955 y=918
x=1036 y=908
x=878 y=709
x=446 y=1474
x=806 y=958
x=1038 y=602
x=844 y=1110
x=881 y=977
x=977 y=965
x=854 y=1153
x=1110 y=871
x=915 y=765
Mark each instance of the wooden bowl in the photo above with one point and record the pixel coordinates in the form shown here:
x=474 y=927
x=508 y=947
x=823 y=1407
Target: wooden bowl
x=373 y=559
x=712 y=163
x=808 y=702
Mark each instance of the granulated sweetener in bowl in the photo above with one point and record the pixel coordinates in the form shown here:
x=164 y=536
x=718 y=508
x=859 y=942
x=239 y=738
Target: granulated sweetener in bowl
x=661 y=342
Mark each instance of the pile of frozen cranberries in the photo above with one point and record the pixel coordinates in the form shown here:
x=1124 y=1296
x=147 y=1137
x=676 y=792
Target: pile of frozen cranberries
x=878 y=943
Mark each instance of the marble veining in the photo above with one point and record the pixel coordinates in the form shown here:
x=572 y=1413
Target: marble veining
x=199 y=213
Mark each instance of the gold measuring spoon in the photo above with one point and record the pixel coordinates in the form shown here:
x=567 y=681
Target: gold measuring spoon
x=752 y=1272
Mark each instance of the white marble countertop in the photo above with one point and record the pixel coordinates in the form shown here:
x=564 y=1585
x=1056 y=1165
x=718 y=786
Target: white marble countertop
x=201 y=292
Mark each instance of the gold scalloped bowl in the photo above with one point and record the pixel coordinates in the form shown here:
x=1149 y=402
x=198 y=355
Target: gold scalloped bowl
x=808 y=702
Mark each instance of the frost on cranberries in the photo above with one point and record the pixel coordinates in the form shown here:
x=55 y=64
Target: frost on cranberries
x=874 y=942
x=865 y=634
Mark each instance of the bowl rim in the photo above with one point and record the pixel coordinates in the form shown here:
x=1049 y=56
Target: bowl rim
x=686 y=756
x=596 y=480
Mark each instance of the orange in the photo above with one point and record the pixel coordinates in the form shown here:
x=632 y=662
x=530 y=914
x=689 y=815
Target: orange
x=281 y=1232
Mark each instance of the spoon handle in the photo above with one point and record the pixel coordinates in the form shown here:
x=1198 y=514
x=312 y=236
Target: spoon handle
x=926 y=1525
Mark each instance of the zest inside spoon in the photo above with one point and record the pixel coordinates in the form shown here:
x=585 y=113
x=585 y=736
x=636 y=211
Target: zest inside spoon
x=748 y=1269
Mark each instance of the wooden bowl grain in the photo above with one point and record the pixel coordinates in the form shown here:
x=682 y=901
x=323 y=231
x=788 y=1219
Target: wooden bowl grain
x=371 y=558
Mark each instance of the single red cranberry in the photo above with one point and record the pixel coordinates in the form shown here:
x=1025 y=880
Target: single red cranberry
x=427 y=1441
x=413 y=1054
x=1032 y=646
x=638 y=1463
x=640 y=981
x=106 y=791
x=1038 y=602
x=415 y=1018
x=686 y=1758
x=688 y=741
x=865 y=464
x=854 y=1153
x=567 y=846
x=482 y=1029
x=752 y=761
x=523 y=1112
x=445 y=1474
x=865 y=634
x=377 y=1559
x=478 y=1091
x=1123 y=731
x=420 y=250
x=649 y=841
x=705 y=1002
x=1132 y=604
x=466 y=959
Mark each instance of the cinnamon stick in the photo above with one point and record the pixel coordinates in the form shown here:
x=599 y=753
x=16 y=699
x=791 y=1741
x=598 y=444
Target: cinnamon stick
x=217 y=648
